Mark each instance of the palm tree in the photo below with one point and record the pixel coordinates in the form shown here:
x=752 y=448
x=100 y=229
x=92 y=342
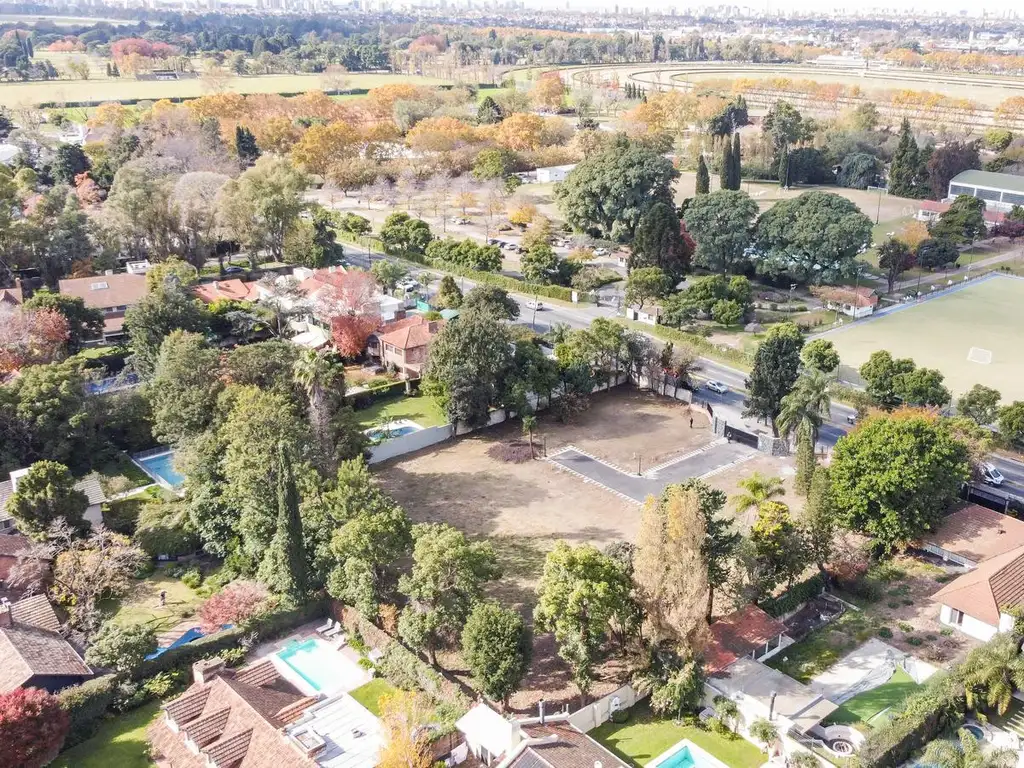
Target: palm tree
x=967 y=754
x=992 y=673
x=759 y=489
x=808 y=404
x=320 y=373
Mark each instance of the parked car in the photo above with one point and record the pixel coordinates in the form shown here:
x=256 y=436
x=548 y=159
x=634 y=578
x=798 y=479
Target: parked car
x=600 y=251
x=990 y=475
x=717 y=386
x=233 y=270
x=533 y=304
x=510 y=246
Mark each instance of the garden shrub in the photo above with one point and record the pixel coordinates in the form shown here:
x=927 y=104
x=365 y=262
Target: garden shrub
x=162 y=530
x=620 y=716
x=793 y=597
x=192 y=578
x=885 y=633
x=87 y=704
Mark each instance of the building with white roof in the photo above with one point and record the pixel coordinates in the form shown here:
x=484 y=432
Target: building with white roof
x=338 y=733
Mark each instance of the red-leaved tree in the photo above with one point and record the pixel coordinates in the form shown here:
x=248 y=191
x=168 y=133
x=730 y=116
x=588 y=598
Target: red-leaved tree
x=350 y=332
x=32 y=728
x=29 y=337
x=238 y=601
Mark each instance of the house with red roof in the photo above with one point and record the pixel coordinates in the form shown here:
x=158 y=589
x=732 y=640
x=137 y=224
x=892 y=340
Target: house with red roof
x=233 y=289
x=403 y=344
x=977 y=603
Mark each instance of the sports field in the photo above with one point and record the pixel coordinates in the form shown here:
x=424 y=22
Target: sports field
x=105 y=89
x=974 y=336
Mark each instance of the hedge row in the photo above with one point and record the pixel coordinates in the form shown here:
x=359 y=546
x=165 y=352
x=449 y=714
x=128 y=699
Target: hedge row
x=87 y=704
x=701 y=345
x=793 y=597
x=178 y=99
x=512 y=284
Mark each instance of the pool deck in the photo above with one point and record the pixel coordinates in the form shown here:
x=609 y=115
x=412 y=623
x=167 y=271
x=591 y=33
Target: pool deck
x=305 y=632
x=701 y=757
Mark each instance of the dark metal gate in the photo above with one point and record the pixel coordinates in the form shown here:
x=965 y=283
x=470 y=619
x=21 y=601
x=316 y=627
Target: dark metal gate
x=741 y=436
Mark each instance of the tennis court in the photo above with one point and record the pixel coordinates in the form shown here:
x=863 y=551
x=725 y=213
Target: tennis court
x=974 y=335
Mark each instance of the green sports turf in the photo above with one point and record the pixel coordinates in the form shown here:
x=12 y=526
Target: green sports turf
x=864 y=706
x=941 y=332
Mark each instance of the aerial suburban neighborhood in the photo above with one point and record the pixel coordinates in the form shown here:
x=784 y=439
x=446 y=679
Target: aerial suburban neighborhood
x=408 y=384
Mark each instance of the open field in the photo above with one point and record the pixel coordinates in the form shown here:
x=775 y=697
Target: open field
x=956 y=333
x=120 y=741
x=22 y=94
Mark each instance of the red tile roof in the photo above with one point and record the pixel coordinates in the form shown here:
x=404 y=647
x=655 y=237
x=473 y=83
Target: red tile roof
x=564 y=747
x=977 y=533
x=995 y=584
x=738 y=635
x=235 y=719
x=235 y=289
x=413 y=335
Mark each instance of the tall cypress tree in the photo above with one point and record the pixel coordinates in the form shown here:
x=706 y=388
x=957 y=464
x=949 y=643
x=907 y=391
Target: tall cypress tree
x=725 y=172
x=806 y=462
x=784 y=166
x=284 y=568
x=703 y=179
x=736 y=171
x=904 y=165
x=245 y=145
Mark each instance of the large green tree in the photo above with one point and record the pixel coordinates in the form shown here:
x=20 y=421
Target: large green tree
x=903 y=170
x=184 y=389
x=167 y=307
x=44 y=494
x=659 y=242
x=492 y=301
x=468 y=367
x=813 y=238
x=980 y=404
x=447 y=577
x=895 y=257
x=496 y=647
x=775 y=371
x=580 y=591
x=607 y=193
x=646 y=283
x=880 y=374
x=895 y=476
x=284 y=566
x=963 y=222
x=721 y=224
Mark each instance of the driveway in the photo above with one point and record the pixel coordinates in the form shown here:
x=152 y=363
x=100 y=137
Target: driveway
x=711 y=459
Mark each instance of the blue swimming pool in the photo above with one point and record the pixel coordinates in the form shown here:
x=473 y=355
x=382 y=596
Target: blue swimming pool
x=161 y=468
x=398 y=428
x=686 y=754
x=193 y=634
x=321 y=667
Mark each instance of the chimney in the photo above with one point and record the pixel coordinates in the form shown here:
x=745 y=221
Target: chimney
x=540 y=711
x=204 y=670
x=6 y=617
x=771 y=706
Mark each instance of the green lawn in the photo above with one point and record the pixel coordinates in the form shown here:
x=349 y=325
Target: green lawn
x=423 y=410
x=120 y=474
x=369 y=695
x=864 y=706
x=645 y=736
x=121 y=741
x=142 y=605
x=823 y=647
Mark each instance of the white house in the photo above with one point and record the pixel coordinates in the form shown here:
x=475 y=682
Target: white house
x=976 y=602
x=855 y=303
x=554 y=173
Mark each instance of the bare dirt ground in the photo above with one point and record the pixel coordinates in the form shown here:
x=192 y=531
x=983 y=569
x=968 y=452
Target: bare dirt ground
x=770 y=466
x=524 y=509
x=626 y=423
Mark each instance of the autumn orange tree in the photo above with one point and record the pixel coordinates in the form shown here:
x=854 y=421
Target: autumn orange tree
x=323 y=145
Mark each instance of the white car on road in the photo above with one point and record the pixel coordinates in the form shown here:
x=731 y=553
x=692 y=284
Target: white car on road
x=991 y=475
x=717 y=386
x=533 y=304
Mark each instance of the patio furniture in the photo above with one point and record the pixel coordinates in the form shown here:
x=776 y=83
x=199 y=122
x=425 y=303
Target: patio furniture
x=334 y=630
x=323 y=628
x=342 y=641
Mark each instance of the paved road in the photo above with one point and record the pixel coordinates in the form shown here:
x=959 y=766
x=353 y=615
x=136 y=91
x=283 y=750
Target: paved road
x=711 y=459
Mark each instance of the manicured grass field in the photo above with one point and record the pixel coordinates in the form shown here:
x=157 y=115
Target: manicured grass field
x=645 y=736
x=423 y=410
x=864 y=706
x=143 y=603
x=19 y=94
x=369 y=695
x=941 y=333
x=121 y=741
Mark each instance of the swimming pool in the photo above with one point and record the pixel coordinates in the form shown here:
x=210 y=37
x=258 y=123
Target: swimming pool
x=160 y=467
x=685 y=754
x=397 y=429
x=321 y=667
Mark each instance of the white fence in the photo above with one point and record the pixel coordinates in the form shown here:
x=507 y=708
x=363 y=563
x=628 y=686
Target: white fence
x=424 y=438
x=599 y=712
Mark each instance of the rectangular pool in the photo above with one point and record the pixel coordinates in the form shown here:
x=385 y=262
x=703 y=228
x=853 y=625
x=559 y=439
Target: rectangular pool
x=160 y=467
x=321 y=667
x=398 y=428
x=685 y=754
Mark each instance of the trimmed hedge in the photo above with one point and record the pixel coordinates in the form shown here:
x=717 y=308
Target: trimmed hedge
x=559 y=292
x=87 y=705
x=793 y=597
